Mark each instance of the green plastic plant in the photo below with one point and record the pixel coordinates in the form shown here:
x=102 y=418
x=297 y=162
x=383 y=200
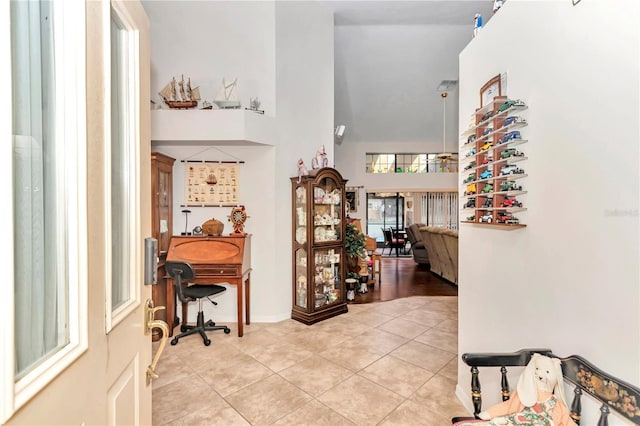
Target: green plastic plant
x=354 y=242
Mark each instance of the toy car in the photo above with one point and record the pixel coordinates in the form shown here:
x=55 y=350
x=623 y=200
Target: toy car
x=487 y=159
x=471 y=138
x=511 y=152
x=471 y=218
x=471 y=189
x=471 y=165
x=510 y=186
x=511 y=135
x=470 y=178
x=511 y=202
x=508 y=104
x=510 y=169
x=512 y=120
x=471 y=203
x=487 y=131
x=486 y=218
x=486 y=146
x=488 y=203
x=471 y=152
x=487 y=188
x=486 y=174
x=487 y=116
x=505 y=217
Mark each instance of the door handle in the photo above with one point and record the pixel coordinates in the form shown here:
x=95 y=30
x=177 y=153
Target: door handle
x=149 y=324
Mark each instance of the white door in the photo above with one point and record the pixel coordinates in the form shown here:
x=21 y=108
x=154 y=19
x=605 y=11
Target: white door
x=75 y=349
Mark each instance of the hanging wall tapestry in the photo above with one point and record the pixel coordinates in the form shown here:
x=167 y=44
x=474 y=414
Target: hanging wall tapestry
x=211 y=183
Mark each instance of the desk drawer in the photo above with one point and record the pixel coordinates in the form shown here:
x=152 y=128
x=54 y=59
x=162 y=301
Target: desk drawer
x=222 y=271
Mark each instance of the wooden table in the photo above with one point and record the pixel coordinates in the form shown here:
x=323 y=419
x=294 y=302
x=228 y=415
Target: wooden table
x=216 y=259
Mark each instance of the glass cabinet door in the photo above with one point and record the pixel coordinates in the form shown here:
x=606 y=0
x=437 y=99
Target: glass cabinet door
x=327 y=211
x=164 y=210
x=301 y=215
x=326 y=279
x=301 y=278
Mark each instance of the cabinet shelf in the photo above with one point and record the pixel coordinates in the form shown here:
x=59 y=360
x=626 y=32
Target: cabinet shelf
x=505 y=226
x=510 y=160
x=477 y=152
x=484 y=110
x=499 y=131
x=494 y=178
x=234 y=126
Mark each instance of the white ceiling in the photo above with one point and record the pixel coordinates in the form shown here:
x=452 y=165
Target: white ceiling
x=390 y=57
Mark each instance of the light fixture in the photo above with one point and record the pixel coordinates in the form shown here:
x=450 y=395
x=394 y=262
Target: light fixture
x=444 y=155
x=339 y=133
x=444 y=88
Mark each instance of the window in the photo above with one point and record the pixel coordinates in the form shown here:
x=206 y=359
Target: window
x=122 y=160
x=46 y=168
x=440 y=209
x=410 y=163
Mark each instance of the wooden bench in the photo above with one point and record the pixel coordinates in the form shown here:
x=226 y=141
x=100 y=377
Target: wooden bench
x=612 y=393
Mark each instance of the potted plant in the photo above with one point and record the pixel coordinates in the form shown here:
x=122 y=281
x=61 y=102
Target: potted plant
x=354 y=244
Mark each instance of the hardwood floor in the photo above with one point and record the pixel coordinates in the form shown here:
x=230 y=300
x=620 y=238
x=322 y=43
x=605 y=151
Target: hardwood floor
x=402 y=277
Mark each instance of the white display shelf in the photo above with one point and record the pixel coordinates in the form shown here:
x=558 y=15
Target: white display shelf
x=226 y=126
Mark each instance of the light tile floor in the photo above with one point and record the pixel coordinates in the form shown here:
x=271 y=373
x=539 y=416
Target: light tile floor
x=387 y=363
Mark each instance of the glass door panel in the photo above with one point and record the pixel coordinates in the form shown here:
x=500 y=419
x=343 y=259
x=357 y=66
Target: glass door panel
x=327 y=211
x=327 y=277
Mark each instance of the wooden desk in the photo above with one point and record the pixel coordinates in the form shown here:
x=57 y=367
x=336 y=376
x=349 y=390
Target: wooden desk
x=224 y=259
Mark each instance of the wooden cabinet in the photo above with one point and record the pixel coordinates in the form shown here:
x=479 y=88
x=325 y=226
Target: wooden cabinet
x=161 y=224
x=492 y=169
x=318 y=246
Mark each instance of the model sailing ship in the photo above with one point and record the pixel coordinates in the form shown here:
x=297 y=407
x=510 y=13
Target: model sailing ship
x=182 y=97
x=227 y=98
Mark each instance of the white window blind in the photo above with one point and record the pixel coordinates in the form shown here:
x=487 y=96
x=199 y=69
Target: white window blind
x=440 y=209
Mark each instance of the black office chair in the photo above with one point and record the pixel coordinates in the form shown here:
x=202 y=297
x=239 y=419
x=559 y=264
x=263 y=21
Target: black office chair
x=182 y=273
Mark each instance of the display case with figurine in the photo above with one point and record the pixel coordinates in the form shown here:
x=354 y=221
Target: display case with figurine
x=318 y=246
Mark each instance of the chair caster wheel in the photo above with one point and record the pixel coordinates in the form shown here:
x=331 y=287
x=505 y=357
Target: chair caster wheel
x=207 y=342
x=227 y=330
x=183 y=328
x=174 y=342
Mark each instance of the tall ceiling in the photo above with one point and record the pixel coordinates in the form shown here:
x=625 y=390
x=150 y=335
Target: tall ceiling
x=390 y=58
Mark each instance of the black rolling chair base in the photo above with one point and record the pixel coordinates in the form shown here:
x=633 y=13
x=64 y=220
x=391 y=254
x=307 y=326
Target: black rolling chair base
x=200 y=327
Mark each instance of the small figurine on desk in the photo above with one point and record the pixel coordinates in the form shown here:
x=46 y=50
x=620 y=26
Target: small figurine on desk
x=320 y=160
x=477 y=24
x=302 y=170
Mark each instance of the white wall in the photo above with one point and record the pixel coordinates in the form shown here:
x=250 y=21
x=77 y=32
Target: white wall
x=385 y=74
x=209 y=40
x=570 y=279
x=296 y=39
x=304 y=89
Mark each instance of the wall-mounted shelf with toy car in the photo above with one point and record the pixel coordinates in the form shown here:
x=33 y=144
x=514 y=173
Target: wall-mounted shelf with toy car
x=491 y=178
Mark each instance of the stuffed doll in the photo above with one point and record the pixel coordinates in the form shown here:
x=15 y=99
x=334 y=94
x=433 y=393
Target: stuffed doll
x=320 y=160
x=302 y=170
x=538 y=399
